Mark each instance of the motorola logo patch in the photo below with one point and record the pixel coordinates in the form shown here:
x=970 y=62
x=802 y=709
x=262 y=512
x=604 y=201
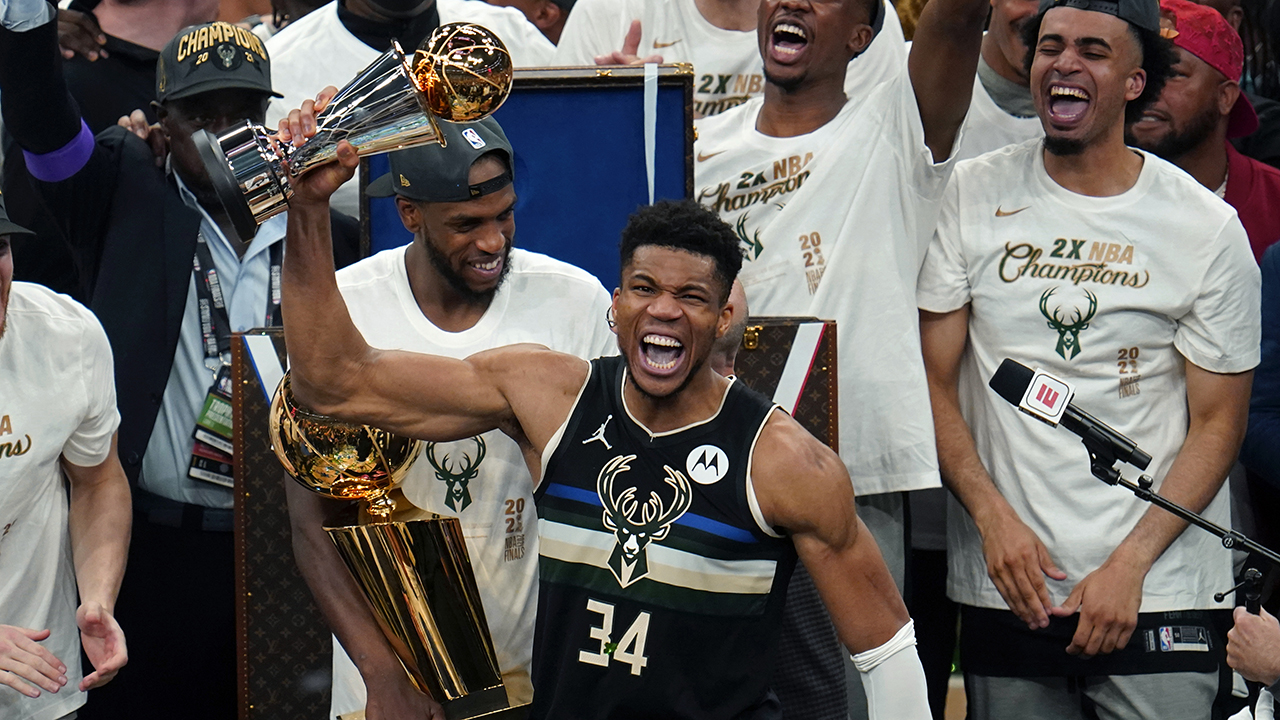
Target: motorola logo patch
x=707 y=464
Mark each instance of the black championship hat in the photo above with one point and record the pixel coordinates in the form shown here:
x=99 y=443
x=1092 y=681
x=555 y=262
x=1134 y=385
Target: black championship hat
x=1139 y=13
x=435 y=173
x=214 y=56
x=7 y=226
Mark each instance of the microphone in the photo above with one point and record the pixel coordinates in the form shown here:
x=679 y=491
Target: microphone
x=1048 y=399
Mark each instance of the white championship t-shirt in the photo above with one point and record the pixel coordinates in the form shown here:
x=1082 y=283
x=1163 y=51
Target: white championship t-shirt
x=1110 y=294
x=727 y=66
x=834 y=225
x=57 y=399
x=316 y=51
x=542 y=301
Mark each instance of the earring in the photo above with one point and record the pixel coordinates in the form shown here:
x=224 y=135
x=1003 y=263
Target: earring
x=608 y=318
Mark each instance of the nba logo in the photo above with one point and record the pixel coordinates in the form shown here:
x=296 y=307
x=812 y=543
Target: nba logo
x=1166 y=639
x=473 y=137
x=1046 y=398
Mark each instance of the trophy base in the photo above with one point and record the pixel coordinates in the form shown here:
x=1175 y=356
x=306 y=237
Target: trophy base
x=224 y=184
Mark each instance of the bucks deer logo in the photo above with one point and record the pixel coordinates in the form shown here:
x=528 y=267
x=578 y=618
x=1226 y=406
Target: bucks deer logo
x=630 y=559
x=752 y=245
x=457 y=475
x=1068 y=332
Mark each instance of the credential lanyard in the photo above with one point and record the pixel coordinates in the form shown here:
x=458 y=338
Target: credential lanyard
x=215 y=323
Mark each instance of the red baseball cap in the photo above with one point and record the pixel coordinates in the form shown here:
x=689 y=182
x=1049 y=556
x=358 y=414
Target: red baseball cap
x=1203 y=32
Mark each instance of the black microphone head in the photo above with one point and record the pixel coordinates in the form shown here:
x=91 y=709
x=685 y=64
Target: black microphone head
x=1011 y=380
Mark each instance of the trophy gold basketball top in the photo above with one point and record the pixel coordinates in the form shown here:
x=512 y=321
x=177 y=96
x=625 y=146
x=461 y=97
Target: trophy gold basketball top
x=461 y=73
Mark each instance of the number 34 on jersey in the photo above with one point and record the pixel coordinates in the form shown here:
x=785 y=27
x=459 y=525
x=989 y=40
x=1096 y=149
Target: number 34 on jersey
x=629 y=649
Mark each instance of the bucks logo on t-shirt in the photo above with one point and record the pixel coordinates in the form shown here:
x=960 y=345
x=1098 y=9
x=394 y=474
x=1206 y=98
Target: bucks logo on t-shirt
x=456 y=469
x=751 y=245
x=630 y=558
x=1068 y=319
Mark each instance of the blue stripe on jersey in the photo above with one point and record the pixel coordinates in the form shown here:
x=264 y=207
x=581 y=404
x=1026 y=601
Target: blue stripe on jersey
x=697 y=522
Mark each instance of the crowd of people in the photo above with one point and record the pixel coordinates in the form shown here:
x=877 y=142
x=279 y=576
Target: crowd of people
x=953 y=182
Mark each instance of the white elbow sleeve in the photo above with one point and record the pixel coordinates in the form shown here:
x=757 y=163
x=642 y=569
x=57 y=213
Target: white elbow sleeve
x=894 y=679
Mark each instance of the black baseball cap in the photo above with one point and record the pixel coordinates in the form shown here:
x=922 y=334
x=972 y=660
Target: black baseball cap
x=213 y=56
x=1139 y=13
x=442 y=173
x=7 y=226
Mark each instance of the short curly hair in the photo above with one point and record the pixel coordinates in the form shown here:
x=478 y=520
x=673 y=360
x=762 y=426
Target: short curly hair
x=1158 y=59
x=684 y=225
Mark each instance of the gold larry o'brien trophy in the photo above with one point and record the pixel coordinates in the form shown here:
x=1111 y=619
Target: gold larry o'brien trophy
x=416 y=575
x=461 y=73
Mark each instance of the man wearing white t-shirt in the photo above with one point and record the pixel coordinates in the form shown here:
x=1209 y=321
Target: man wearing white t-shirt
x=1111 y=268
x=811 y=179
x=330 y=45
x=717 y=37
x=458 y=289
x=57 y=418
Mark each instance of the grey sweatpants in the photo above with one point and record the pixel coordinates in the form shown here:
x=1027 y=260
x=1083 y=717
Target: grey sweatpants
x=1164 y=696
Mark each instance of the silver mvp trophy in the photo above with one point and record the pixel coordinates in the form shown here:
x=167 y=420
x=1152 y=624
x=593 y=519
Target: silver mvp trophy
x=461 y=73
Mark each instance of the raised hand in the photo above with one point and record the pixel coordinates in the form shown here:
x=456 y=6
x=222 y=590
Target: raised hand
x=1017 y=562
x=629 y=55
x=79 y=34
x=26 y=665
x=317 y=185
x=103 y=642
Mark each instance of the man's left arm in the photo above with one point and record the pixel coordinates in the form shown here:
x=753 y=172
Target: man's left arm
x=99 y=520
x=801 y=485
x=1109 y=598
x=942 y=65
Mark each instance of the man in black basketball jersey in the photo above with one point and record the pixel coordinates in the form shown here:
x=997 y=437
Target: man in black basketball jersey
x=672 y=501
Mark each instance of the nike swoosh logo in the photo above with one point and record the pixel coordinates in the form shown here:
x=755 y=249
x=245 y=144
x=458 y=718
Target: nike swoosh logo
x=1002 y=213
x=659 y=45
x=708 y=156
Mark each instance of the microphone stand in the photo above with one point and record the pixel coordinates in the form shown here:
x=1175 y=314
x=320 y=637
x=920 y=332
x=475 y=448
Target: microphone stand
x=1102 y=461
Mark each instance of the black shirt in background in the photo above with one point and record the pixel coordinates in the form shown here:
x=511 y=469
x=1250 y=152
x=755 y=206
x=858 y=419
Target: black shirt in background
x=112 y=86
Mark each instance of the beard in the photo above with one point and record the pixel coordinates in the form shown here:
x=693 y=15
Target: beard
x=1063 y=146
x=1177 y=143
x=456 y=281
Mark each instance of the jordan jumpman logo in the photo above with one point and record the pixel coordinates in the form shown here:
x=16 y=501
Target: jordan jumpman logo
x=599 y=434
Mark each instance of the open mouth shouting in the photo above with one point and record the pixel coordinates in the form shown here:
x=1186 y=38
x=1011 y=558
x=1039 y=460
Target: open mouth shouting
x=661 y=354
x=787 y=41
x=1067 y=105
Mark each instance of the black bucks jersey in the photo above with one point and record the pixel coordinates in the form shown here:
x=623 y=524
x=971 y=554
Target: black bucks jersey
x=661 y=587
